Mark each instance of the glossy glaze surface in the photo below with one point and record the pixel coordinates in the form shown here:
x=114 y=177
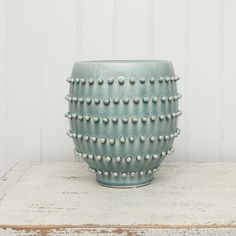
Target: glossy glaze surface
x=123 y=118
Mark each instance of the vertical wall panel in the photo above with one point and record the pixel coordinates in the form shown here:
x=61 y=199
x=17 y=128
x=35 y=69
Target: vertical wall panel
x=58 y=55
x=24 y=80
x=170 y=43
x=3 y=86
x=96 y=30
x=229 y=80
x=40 y=40
x=204 y=86
x=131 y=29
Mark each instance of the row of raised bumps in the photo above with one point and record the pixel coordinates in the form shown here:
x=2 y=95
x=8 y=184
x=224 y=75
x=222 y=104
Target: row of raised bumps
x=124 y=119
x=123 y=139
x=121 y=80
x=136 y=100
x=123 y=174
x=128 y=159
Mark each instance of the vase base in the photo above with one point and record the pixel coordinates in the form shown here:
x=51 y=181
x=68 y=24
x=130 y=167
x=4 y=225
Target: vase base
x=121 y=183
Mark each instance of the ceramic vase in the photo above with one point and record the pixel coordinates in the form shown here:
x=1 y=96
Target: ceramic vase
x=123 y=118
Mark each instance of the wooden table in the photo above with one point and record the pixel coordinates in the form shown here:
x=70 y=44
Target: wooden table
x=62 y=198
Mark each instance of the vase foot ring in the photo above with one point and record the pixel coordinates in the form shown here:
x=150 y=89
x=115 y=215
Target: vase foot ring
x=124 y=187
x=120 y=183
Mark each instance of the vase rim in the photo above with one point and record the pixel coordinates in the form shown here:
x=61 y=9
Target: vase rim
x=123 y=61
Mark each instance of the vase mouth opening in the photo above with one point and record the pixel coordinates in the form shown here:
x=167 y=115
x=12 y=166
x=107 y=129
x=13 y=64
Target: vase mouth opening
x=123 y=61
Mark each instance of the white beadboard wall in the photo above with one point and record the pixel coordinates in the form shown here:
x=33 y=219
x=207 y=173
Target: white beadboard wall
x=40 y=40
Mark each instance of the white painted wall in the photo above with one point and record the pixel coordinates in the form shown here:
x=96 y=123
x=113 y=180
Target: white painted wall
x=40 y=40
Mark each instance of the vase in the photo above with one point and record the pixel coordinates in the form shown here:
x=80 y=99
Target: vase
x=123 y=118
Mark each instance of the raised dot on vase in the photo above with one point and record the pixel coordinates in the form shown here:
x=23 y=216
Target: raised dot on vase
x=110 y=80
x=121 y=80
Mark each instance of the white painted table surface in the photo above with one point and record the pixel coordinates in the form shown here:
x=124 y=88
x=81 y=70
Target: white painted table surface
x=62 y=198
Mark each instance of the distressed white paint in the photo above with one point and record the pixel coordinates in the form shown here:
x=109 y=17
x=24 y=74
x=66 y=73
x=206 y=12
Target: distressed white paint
x=41 y=39
x=64 y=194
x=113 y=231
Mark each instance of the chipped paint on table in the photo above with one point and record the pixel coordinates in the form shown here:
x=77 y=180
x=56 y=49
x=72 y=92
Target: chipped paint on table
x=62 y=198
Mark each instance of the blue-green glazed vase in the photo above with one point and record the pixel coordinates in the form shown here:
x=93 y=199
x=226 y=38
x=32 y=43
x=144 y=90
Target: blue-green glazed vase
x=123 y=118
